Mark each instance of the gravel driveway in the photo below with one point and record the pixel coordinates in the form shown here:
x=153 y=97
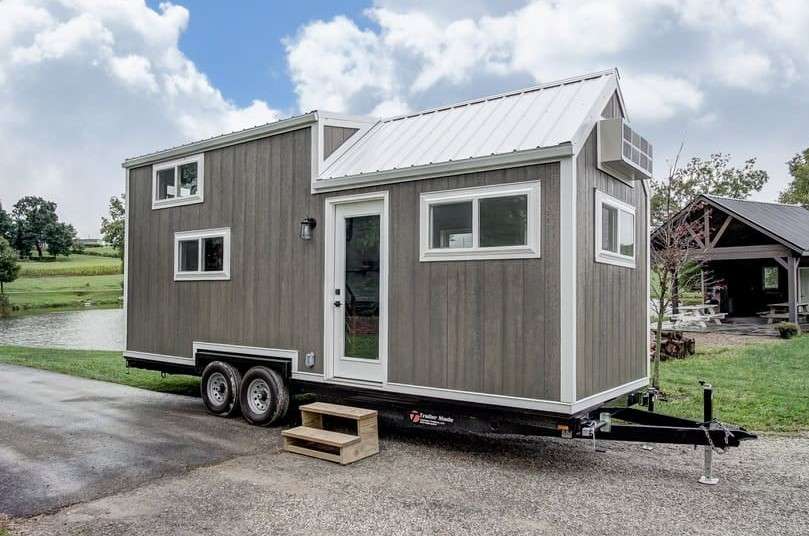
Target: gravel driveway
x=443 y=484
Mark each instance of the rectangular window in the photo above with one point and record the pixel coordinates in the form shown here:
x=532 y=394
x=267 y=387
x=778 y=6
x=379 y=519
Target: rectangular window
x=202 y=255
x=178 y=182
x=615 y=231
x=488 y=222
x=770 y=276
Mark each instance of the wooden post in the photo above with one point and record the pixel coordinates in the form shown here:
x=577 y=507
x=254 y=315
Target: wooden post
x=792 y=287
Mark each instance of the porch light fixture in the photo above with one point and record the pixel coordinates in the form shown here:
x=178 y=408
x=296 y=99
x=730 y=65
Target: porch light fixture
x=307 y=224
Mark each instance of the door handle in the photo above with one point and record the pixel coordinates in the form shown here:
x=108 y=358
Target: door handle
x=338 y=303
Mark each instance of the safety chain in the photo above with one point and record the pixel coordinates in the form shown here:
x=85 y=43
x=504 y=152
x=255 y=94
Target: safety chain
x=705 y=427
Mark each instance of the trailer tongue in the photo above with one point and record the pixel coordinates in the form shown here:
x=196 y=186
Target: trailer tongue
x=605 y=423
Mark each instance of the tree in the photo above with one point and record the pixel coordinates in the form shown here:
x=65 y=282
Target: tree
x=9 y=269
x=712 y=176
x=112 y=229
x=59 y=237
x=6 y=225
x=797 y=193
x=36 y=225
x=669 y=255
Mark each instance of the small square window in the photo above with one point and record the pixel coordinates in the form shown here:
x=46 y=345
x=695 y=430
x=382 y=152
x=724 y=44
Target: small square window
x=179 y=182
x=202 y=255
x=615 y=231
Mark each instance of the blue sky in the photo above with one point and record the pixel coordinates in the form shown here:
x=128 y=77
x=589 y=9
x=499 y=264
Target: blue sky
x=85 y=84
x=241 y=49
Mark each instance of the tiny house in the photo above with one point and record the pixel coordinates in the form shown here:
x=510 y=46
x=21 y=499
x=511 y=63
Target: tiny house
x=491 y=253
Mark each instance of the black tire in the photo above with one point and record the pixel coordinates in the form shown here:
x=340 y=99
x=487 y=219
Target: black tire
x=219 y=386
x=264 y=396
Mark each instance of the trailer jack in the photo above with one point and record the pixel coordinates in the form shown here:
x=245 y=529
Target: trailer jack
x=631 y=424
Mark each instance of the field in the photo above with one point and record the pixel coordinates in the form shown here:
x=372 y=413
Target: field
x=763 y=387
x=77 y=281
x=86 y=265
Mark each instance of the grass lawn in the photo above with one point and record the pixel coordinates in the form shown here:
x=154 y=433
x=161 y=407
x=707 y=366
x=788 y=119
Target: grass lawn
x=27 y=293
x=75 y=264
x=105 y=366
x=763 y=387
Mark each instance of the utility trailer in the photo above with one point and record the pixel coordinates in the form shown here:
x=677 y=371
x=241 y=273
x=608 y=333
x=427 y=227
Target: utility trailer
x=486 y=261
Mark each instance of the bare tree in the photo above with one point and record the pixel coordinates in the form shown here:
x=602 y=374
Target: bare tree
x=670 y=254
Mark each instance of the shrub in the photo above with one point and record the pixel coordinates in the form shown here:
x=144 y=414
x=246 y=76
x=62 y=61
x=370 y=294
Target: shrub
x=787 y=330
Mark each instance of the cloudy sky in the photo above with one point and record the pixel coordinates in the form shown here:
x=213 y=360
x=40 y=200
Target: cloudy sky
x=87 y=83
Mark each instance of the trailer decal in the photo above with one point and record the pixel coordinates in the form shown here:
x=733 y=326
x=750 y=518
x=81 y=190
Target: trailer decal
x=428 y=419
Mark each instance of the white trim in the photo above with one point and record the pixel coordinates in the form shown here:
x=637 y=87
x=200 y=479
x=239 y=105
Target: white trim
x=126 y=256
x=610 y=257
x=444 y=169
x=331 y=119
x=568 y=181
x=609 y=394
x=531 y=250
x=552 y=406
x=283 y=353
x=330 y=213
x=161 y=358
x=225 y=140
x=649 y=309
x=198 y=159
x=199 y=235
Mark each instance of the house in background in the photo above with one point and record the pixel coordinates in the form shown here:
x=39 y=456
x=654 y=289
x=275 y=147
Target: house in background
x=757 y=252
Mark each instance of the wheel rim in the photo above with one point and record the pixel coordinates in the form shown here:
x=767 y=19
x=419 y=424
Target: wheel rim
x=218 y=388
x=258 y=396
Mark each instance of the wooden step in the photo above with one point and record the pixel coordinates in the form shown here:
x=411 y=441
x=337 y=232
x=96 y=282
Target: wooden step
x=336 y=410
x=324 y=437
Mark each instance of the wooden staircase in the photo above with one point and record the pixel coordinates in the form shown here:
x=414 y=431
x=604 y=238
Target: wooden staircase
x=357 y=437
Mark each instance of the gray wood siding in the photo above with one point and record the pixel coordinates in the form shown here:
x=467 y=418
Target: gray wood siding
x=484 y=326
x=611 y=300
x=333 y=137
x=261 y=190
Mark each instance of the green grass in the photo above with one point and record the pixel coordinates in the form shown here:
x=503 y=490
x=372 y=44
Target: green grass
x=83 y=265
x=32 y=293
x=762 y=387
x=105 y=366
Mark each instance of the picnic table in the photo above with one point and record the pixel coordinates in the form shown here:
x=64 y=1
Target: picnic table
x=698 y=315
x=780 y=311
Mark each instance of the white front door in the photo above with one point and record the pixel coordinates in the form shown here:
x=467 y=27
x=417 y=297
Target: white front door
x=358 y=304
x=804 y=285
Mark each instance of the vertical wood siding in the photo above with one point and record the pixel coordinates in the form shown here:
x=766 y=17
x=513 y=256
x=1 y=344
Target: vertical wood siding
x=485 y=326
x=611 y=300
x=333 y=137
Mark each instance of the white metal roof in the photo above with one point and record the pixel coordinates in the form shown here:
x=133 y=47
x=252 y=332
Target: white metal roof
x=544 y=116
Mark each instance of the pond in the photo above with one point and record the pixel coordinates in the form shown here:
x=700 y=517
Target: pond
x=91 y=329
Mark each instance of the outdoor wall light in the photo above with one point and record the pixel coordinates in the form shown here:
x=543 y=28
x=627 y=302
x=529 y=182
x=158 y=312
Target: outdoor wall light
x=307 y=224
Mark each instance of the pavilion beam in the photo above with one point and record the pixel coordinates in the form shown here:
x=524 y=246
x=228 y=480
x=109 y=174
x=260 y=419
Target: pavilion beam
x=721 y=231
x=783 y=261
x=792 y=287
x=738 y=252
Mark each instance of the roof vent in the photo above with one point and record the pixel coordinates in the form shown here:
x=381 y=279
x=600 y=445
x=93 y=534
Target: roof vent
x=622 y=152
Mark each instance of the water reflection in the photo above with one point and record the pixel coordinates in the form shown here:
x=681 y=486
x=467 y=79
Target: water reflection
x=94 y=329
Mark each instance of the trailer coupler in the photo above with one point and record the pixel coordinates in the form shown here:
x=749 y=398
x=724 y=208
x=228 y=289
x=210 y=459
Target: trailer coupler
x=631 y=424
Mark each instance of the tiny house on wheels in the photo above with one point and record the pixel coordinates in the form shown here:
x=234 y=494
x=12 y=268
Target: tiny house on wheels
x=484 y=258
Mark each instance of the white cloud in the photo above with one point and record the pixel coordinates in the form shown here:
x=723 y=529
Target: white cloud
x=87 y=83
x=659 y=97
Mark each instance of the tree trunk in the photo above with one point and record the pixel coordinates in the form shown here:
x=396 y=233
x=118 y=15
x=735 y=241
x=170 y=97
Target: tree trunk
x=675 y=292
x=39 y=250
x=658 y=344
x=2 y=290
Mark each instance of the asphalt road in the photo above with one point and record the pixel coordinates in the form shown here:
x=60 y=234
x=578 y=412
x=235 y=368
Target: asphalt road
x=132 y=450
x=65 y=440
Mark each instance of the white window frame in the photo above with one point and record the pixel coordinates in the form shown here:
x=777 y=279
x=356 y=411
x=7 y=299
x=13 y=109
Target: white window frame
x=611 y=257
x=199 y=274
x=529 y=251
x=179 y=201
